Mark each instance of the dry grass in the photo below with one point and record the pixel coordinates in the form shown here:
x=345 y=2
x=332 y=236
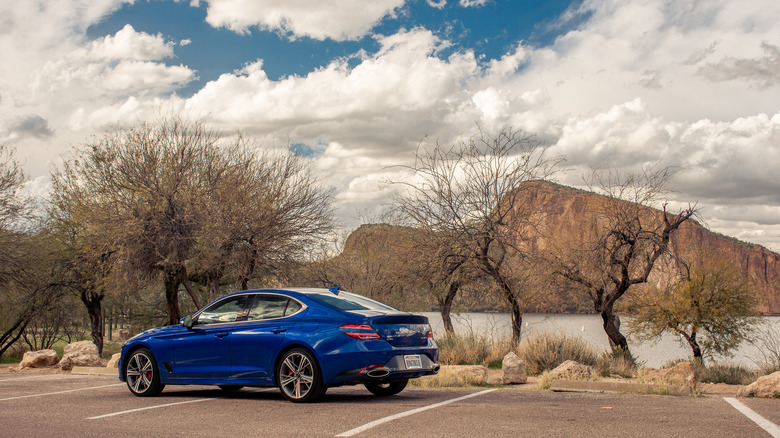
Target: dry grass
x=719 y=372
x=472 y=350
x=447 y=378
x=545 y=351
x=611 y=364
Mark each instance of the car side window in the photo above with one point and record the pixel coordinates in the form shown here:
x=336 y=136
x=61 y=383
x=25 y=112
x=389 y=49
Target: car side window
x=272 y=306
x=228 y=310
x=293 y=307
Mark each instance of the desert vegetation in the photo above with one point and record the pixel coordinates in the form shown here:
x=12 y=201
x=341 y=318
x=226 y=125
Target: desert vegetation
x=148 y=223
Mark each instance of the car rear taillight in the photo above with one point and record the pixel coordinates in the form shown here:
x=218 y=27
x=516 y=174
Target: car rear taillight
x=430 y=331
x=359 y=331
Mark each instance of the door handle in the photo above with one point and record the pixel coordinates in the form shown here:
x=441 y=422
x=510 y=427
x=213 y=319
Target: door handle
x=222 y=334
x=276 y=331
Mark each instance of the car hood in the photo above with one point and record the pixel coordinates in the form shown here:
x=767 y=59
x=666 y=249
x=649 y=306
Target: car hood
x=157 y=331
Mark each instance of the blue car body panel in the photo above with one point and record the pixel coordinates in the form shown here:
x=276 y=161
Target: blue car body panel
x=246 y=352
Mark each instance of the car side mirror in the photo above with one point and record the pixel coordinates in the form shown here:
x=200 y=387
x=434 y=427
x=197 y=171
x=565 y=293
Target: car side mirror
x=187 y=321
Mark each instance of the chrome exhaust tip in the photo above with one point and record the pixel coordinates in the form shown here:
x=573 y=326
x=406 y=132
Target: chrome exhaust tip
x=378 y=372
x=436 y=368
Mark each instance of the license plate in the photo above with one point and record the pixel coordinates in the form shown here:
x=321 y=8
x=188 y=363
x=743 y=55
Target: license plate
x=413 y=361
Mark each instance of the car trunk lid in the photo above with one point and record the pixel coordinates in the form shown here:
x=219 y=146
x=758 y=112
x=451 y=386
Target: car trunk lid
x=404 y=330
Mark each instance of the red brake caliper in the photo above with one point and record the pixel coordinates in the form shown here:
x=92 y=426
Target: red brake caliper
x=149 y=375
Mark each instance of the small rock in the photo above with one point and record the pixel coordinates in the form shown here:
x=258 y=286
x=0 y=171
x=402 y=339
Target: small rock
x=114 y=361
x=683 y=374
x=514 y=369
x=571 y=370
x=37 y=359
x=765 y=386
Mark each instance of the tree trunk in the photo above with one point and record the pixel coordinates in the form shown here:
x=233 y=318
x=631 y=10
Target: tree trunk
x=694 y=346
x=445 y=308
x=10 y=336
x=190 y=291
x=172 y=281
x=517 y=322
x=249 y=269
x=213 y=288
x=92 y=300
x=612 y=328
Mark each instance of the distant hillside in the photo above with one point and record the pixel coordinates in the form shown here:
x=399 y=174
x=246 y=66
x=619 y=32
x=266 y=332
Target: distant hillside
x=567 y=216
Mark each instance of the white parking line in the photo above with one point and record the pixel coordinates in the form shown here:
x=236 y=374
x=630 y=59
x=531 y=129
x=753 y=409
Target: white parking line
x=765 y=424
x=148 y=407
x=375 y=423
x=130 y=411
x=60 y=392
x=50 y=376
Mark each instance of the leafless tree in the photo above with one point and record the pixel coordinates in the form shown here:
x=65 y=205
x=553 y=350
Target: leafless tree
x=23 y=295
x=172 y=197
x=440 y=269
x=470 y=192
x=629 y=236
x=15 y=209
x=263 y=209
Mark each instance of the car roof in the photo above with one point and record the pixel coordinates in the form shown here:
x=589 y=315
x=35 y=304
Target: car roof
x=300 y=290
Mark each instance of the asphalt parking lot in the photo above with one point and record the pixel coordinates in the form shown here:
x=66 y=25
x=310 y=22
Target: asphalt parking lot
x=84 y=405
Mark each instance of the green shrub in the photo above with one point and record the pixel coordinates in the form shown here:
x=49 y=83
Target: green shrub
x=545 y=351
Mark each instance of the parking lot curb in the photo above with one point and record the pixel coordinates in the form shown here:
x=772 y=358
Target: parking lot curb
x=561 y=385
x=104 y=371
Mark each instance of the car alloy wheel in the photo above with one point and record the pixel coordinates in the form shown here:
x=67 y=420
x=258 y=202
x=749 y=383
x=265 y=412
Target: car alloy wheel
x=299 y=377
x=142 y=375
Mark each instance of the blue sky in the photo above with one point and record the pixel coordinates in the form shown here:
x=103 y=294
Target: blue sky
x=490 y=30
x=355 y=86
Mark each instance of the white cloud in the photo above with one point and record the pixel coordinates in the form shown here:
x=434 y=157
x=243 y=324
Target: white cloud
x=319 y=19
x=763 y=70
x=52 y=75
x=128 y=44
x=684 y=83
x=401 y=78
x=473 y=3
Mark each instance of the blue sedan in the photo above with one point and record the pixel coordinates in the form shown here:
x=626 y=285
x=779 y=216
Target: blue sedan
x=299 y=340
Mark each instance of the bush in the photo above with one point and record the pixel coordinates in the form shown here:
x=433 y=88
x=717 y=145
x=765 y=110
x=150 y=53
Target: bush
x=616 y=364
x=716 y=372
x=471 y=350
x=545 y=351
x=732 y=374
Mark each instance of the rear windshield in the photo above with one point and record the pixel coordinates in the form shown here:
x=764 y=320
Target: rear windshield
x=348 y=301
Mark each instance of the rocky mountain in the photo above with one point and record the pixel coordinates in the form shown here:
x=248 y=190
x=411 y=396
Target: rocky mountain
x=567 y=217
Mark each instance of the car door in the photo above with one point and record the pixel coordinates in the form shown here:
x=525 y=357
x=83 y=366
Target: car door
x=255 y=343
x=203 y=352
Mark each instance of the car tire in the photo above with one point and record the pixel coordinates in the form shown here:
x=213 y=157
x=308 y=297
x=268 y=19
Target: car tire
x=142 y=374
x=299 y=378
x=388 y=388
x=230 y=388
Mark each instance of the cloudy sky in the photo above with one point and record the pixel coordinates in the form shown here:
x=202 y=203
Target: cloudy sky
x=355 y=85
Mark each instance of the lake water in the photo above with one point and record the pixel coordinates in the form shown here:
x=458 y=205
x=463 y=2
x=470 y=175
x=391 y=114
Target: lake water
x=589 y=328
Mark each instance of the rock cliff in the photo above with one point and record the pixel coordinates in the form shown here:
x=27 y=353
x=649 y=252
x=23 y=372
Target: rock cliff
x=568 y=216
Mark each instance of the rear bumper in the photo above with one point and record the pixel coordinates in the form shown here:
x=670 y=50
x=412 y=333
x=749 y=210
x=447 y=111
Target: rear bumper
x=394 y=369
